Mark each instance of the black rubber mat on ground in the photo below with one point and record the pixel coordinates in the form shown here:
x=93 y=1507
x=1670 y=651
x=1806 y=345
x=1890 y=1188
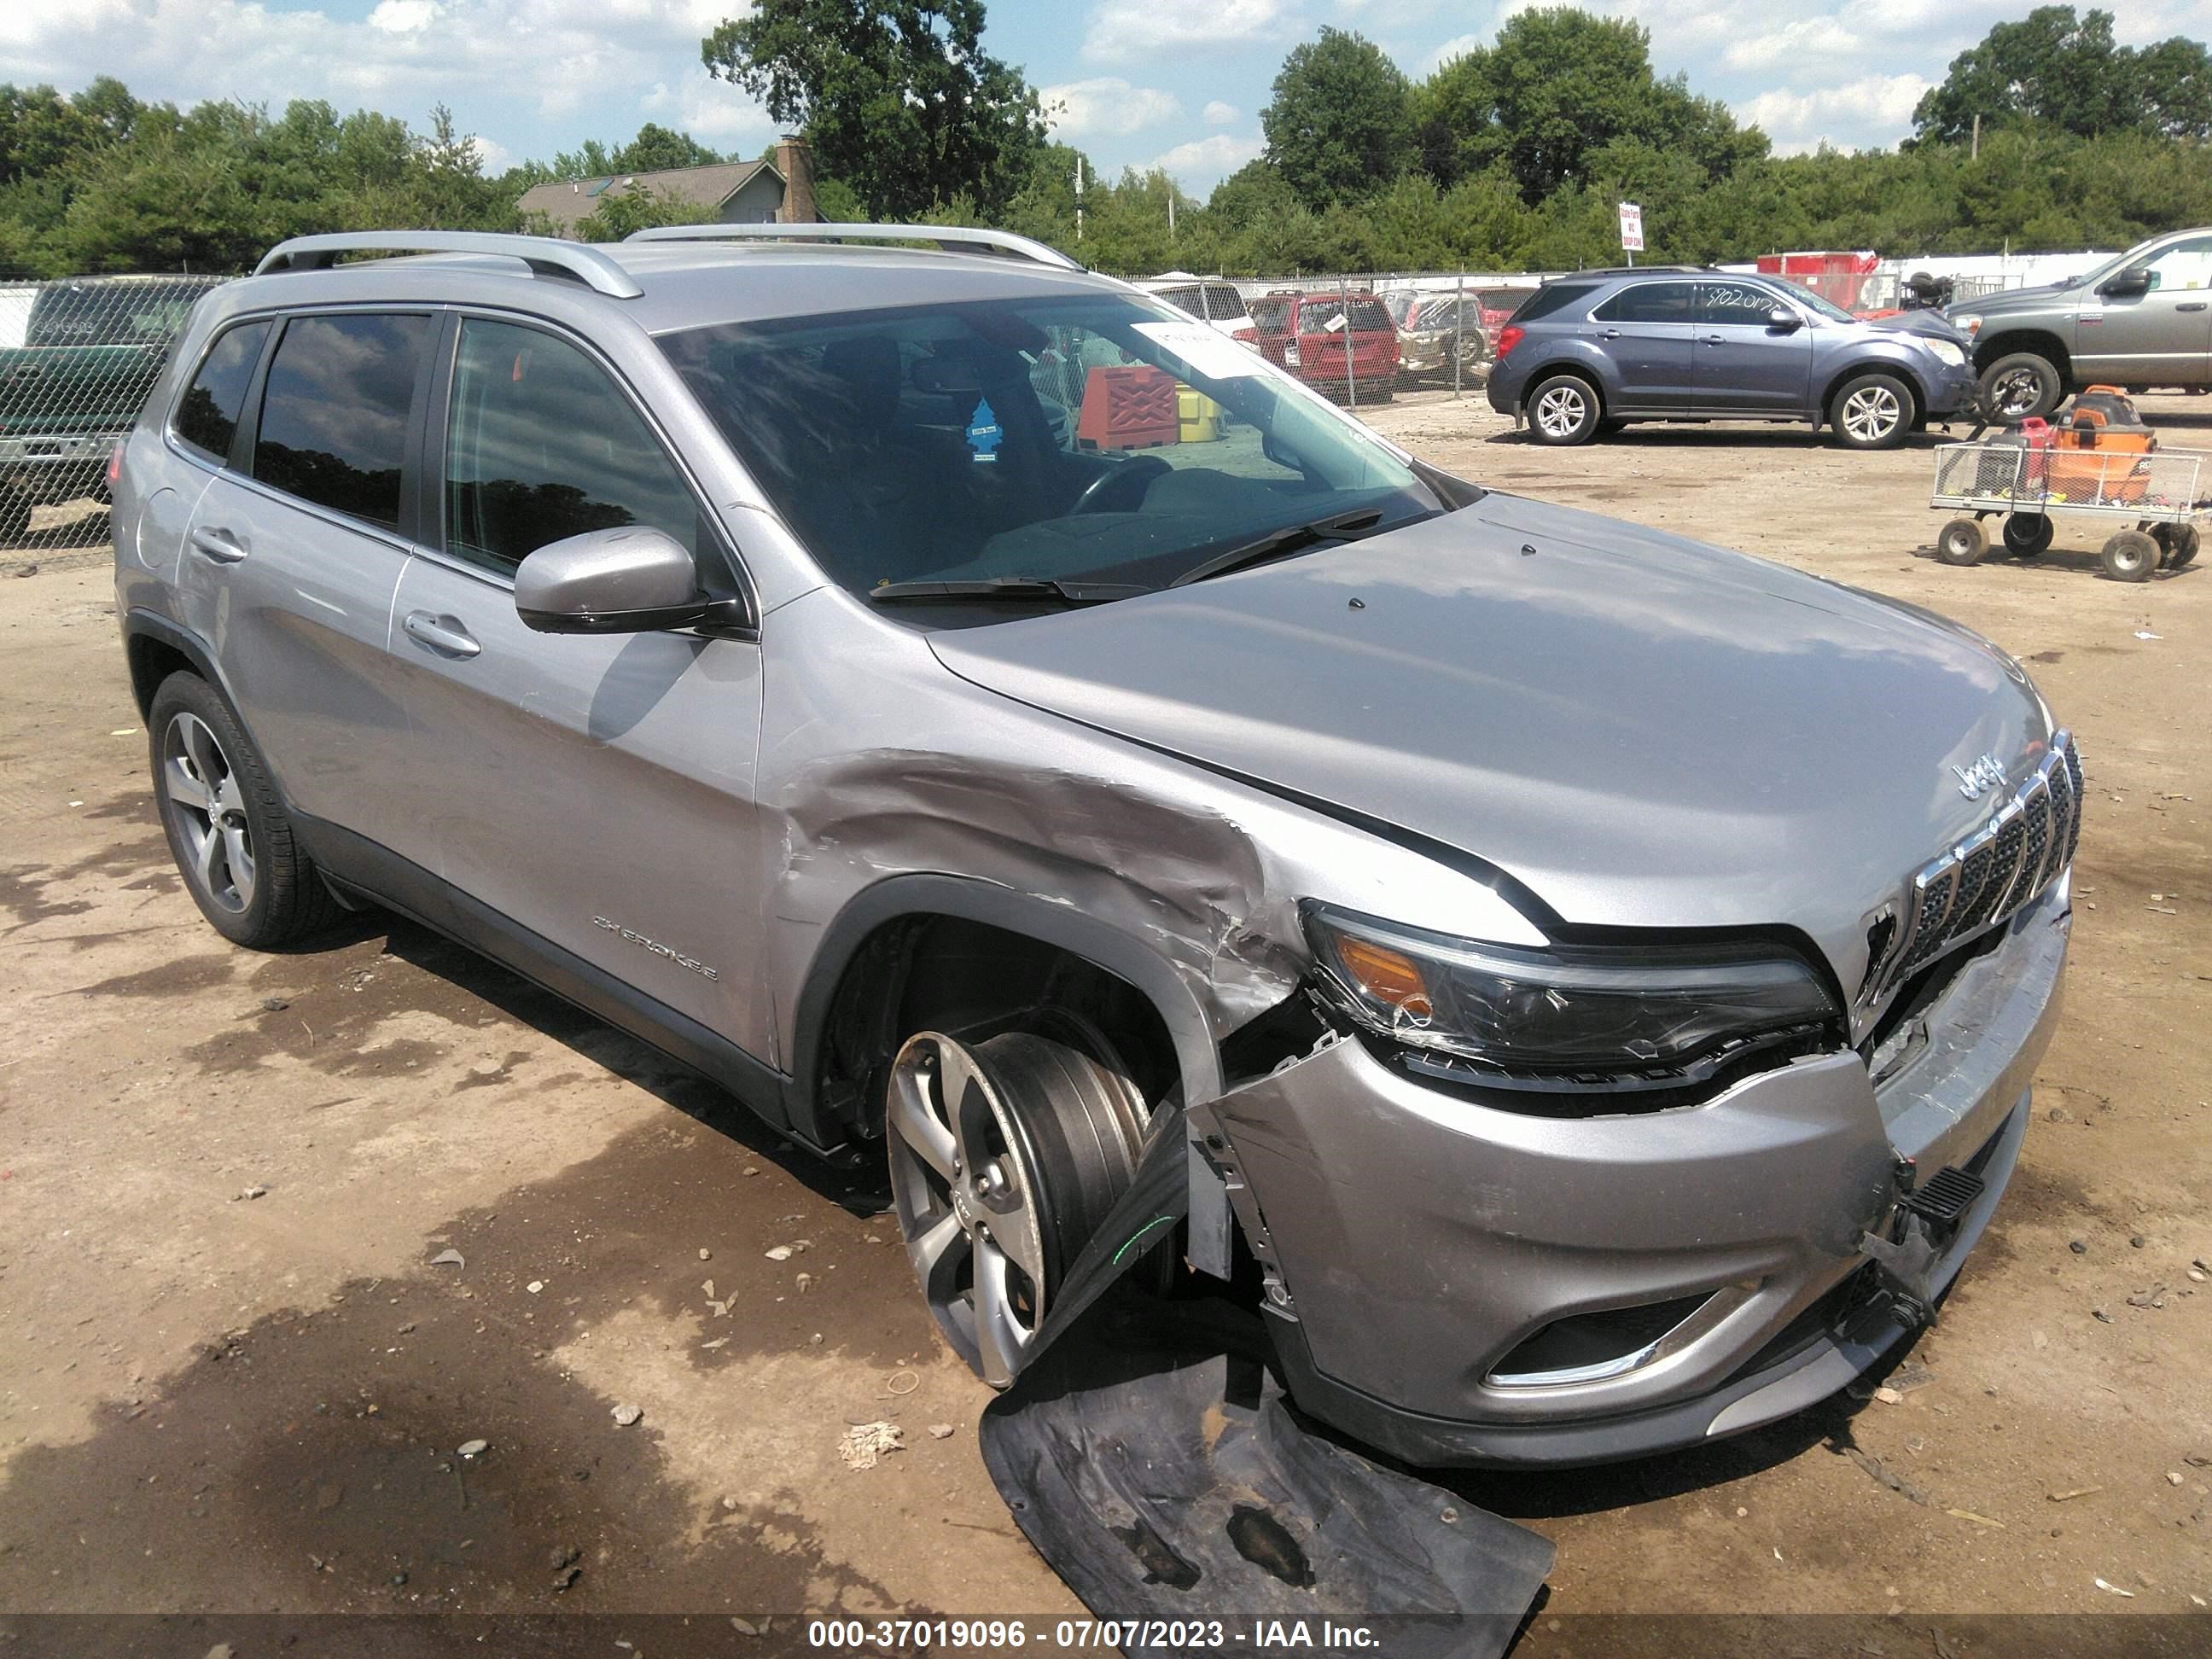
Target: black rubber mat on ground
x=1150 y=1456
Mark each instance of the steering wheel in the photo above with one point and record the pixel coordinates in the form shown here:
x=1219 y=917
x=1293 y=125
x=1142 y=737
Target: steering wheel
x=1130 y=478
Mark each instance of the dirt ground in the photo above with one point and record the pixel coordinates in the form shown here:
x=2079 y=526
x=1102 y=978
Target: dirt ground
x=216 y=1403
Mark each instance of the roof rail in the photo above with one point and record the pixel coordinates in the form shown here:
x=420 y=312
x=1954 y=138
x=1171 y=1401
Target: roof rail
x=949 y=237
x=546 y=256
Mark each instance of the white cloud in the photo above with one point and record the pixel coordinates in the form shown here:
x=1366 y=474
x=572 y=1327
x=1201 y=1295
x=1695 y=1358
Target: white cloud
x=1458 y=47
x=564 y=55
x=1107 y=106
x=1862 y=113
x=1124 y=31
x=1218 y=114
x=1207 y=161
x=402 y=16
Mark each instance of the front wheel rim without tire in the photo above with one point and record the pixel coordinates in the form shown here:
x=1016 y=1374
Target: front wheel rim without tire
x=1872 y=413
x=1560 y=412
x=207 y=808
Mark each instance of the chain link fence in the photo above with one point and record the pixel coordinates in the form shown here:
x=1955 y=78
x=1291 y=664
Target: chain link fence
x=78 y=358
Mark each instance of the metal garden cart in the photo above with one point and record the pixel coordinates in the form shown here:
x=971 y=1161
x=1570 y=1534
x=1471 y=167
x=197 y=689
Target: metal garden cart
x=2155 y=497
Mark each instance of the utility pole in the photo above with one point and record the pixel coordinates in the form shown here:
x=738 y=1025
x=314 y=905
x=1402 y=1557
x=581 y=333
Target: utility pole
x=1975 y=154
x=1171 y=195
x=1079 y=196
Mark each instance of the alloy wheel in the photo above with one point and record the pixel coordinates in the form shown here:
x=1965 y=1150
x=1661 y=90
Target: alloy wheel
x=1871 y=413
x=1004 y=1157
x=207 y=808
x=1560 y=411
x=2013 y=392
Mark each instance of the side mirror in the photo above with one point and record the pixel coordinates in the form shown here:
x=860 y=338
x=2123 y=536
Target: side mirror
x=2134 y=280
x=1281 y=453
x=631 y=579
x=1783 y=318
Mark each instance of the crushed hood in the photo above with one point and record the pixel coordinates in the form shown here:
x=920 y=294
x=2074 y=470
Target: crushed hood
x=1642 y=729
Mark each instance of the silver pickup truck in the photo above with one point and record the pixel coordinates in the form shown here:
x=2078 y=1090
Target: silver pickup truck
x=2141 y=319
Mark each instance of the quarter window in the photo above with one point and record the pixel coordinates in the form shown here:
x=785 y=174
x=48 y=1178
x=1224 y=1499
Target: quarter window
x=334 y=415
x=1647 y=302
x=1223 y=304
x=540 y=446
x=207 y=414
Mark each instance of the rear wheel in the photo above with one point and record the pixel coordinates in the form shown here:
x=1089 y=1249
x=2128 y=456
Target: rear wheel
x=2028 y=534
x=2020 y=385
x=232 y=840
x=1871 y=412
x=2130 y=556
x=1963 y=541
x=1563 y=409
x=1006 y=1155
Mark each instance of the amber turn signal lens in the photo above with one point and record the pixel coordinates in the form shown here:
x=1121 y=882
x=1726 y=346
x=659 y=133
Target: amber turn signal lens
x=1385 y=975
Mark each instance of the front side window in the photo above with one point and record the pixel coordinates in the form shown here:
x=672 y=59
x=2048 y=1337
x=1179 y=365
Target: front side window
x=334 y=411
x=541 y=444
x=1738 y=305
x=1103 y=438
x=2185 y=265
x=207 y=414
x=1648 y=302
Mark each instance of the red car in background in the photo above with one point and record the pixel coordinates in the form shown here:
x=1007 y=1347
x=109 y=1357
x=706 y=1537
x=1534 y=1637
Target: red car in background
x=1305 y=333
x=1499 y=305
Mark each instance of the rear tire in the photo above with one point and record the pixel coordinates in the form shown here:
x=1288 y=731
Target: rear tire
x=1871 y=412
x=15 y=516
x=232 y=841
x=1563 y=409
x=2130 y=556
x=1963 y=541
x=2028 y=534
x=2021 y=386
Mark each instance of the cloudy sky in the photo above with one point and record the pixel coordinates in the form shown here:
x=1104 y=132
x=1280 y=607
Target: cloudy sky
x=1143 y=83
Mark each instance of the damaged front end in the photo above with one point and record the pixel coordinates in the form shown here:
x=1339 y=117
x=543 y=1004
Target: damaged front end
x=1482 y=1274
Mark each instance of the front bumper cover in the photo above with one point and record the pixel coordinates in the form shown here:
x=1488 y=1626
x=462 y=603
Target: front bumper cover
x=1421 y=1238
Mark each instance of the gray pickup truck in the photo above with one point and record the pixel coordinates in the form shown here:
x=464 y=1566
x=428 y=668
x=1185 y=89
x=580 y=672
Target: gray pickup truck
x=2141 y=319
x=91 y=349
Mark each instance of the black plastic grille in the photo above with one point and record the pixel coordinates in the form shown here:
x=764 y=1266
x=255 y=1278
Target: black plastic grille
x=1994 y=875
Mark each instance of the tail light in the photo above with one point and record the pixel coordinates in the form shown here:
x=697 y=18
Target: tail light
x=1508 y=337
x=115 y=465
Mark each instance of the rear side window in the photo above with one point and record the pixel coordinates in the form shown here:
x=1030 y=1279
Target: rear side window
x=1553 y=296
x=1223 y=304
x=1647 y=302
x=1183 y=299
x=540 y=444
x=207 y=414
x=334 y=413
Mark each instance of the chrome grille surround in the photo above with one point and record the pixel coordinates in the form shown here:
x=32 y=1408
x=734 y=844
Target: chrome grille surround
x=1991 y=875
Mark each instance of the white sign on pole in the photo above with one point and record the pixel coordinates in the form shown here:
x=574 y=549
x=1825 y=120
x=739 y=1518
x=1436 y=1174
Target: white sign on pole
x=1632 y=227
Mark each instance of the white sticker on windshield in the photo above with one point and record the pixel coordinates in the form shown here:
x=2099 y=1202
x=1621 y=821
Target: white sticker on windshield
x=1208 y=350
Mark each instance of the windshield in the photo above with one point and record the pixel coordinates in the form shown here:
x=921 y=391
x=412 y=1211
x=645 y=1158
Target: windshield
x=1103 y=438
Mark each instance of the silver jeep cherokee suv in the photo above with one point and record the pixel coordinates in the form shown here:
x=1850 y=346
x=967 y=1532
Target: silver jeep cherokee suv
x=1597 y=976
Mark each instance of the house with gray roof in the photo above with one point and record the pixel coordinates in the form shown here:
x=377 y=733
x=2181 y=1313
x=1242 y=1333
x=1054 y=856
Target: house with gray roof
x=733 y=192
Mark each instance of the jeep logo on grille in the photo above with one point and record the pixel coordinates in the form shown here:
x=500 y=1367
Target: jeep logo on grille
x=1977 y=779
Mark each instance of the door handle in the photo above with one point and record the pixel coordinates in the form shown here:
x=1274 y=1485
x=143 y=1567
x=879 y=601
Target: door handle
x=2192 y=305
x=1610 y=334
x=443 y=635
x=1715 y=339
x=223 y=546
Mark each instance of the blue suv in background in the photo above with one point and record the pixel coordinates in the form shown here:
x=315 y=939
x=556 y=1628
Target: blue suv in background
x=1587 y=354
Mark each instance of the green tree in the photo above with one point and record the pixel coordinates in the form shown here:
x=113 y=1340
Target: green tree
x=659 y=149
x=1340 y=123
x=620 y=212
x=1560 y=84
x=897 y=97
x=2063 y=69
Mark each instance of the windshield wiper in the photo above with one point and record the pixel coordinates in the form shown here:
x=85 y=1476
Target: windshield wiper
x=1276 y=543
x=1007 y=587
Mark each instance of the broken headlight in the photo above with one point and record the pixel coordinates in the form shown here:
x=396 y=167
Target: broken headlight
x=1567 y=1011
